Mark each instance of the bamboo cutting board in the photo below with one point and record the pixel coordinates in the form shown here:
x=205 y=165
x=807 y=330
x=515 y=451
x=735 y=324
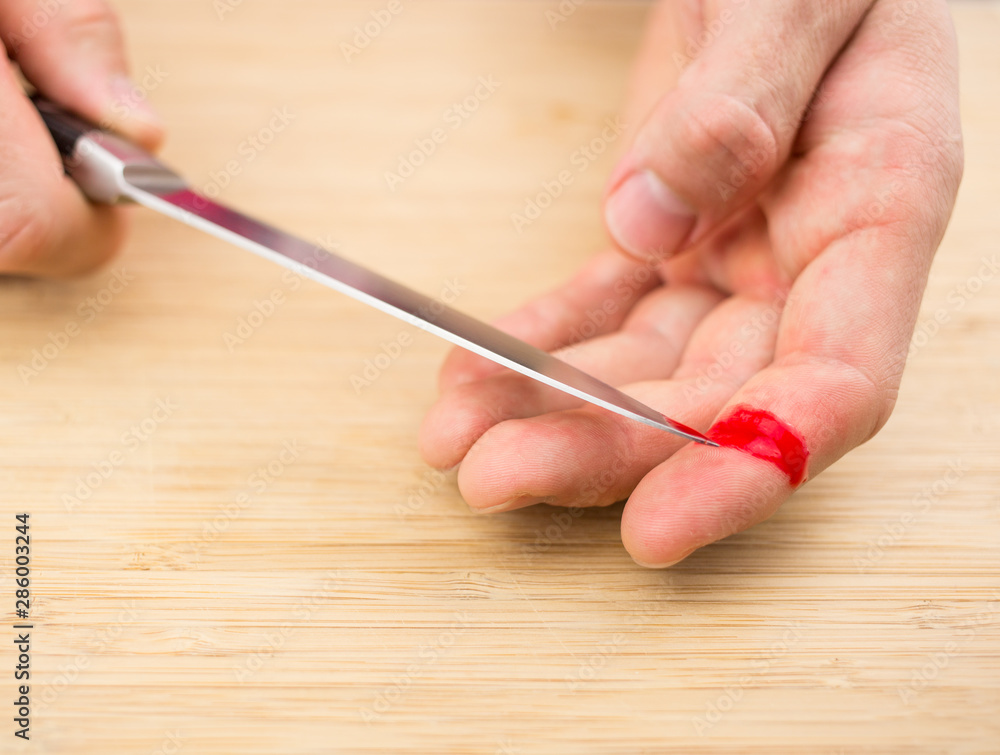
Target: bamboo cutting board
x=235 y=546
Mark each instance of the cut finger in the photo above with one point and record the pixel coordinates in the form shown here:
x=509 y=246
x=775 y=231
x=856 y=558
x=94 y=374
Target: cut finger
x=846 y=328
x=589 y=457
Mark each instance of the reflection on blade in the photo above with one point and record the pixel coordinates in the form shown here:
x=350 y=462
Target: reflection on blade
x=422 y=311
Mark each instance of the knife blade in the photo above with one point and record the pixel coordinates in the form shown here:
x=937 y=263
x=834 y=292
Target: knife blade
x=109 y=169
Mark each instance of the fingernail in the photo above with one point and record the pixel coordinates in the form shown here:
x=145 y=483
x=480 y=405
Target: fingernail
x=646 y=218
x=519 y=502
x=664 y=564
x=646 y=565
x=495 y=509
x=128 y=101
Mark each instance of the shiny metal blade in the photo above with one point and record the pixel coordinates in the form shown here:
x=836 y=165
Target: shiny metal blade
x=388 y=296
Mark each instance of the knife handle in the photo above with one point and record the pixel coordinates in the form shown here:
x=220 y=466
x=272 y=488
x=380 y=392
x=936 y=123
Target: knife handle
x=105 y=166
x=66 y=129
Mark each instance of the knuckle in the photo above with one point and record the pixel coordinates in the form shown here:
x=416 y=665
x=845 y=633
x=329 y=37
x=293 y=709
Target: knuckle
x=922 y=152
x=92 y=23
x=731 y=137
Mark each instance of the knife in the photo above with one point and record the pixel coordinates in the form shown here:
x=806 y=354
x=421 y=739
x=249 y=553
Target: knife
x=109 y=169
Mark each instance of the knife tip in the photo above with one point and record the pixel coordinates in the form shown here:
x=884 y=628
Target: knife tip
x=688 y=432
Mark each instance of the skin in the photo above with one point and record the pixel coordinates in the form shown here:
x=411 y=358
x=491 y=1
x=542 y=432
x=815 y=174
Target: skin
x=800 y=162
x=807 y=161
x=72 y=53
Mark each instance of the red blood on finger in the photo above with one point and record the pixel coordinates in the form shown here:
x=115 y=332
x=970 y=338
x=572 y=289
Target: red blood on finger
x=763 y=435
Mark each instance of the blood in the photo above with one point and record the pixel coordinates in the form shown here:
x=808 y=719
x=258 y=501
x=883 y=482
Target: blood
x=763 y=435
x=682 y=427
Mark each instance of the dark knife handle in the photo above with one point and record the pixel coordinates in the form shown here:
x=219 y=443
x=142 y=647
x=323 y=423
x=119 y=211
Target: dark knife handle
x=66 y=129
x=106 y=167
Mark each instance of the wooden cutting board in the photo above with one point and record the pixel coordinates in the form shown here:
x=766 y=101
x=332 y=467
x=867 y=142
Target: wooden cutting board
x=236 y=547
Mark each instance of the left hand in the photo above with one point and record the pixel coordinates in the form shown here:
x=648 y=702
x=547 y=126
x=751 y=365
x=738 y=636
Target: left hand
x=796 y=293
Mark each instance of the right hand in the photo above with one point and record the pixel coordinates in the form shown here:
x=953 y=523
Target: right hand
x=71 y=51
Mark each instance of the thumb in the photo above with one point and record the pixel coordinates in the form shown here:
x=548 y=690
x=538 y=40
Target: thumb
x=72 y=52
x=713 y=142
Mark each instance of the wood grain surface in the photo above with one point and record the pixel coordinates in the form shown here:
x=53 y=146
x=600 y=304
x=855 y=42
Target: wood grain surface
x=236 y=547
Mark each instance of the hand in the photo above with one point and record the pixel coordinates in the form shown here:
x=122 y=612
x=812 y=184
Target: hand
x=780 y=206
x=71 y=51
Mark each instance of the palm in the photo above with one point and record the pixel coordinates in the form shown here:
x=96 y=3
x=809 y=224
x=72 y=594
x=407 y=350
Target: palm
x=803 y=300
